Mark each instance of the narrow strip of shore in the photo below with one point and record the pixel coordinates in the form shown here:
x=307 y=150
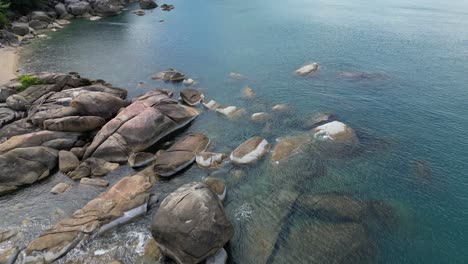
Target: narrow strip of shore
x=8 y=64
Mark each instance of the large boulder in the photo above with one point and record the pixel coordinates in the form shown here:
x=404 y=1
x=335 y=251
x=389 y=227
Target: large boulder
x=249 y=151
x=148 y=4
x=38 y=24
x=98 y=104
x=180 y=155
x=79 y=8
x=8 y=115
x=22 y=166
x=190 y=225
x=26 y=98
x=20 y=29
x=107 y=7
x=288 y=146
x=52 y=139
x=61 y=10
x=121 y=203
x=40 y=15
x=74 y=123
x=140 y=125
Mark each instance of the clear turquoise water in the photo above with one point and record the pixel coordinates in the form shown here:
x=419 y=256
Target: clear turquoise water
x=415 y=108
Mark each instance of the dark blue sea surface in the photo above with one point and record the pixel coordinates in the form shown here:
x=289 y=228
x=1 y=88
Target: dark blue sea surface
x=395 y=71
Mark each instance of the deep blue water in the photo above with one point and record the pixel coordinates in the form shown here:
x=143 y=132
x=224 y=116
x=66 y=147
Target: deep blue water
x=415 y=109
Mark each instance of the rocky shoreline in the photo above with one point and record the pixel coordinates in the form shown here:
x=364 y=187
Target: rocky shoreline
x=86 y=128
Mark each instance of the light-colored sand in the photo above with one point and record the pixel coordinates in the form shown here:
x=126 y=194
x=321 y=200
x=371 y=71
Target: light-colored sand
x=8 y=64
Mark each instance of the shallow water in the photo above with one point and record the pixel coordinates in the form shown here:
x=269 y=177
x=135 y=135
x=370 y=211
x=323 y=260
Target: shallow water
x=409 y=108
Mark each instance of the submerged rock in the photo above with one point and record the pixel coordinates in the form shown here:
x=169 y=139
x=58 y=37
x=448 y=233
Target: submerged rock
x=180 y=155
x=280 y=108
x=236 y=76
x=23 y=166
x=169 y=74
x=260 y=117
x=337 y=136
x=217 y=186
x=139 y=12
x=307 y=69
x=322 y=242
x=195 y=210
x=140 y=125
x=249 y=151
x=288 y=146
x=191 y=97
x=247 y=93
x=121 y=203
x=318 y=119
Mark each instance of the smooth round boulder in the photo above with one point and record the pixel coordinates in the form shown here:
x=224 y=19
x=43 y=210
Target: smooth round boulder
x=148 y=4
x=79 y=8
x=190 y=225
x=38 y=24
x=250 y=151
x=307 y=69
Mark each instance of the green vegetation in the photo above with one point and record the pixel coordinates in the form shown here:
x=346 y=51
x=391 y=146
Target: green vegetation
x=8 y=8
x=3 y=14
x=27 y=81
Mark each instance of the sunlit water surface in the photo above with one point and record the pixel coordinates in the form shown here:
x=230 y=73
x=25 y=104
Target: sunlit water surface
x=412 y=108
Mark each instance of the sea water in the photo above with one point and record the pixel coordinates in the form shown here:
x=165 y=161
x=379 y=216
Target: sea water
x=395 y=71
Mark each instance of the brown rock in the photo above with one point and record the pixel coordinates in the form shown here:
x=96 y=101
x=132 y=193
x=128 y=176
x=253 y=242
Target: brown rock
x=94 y=182
x=67 y=161
x=60 y=188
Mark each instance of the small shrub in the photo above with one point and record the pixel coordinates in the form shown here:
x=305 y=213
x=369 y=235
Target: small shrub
x=26 y=81
x=3 y=20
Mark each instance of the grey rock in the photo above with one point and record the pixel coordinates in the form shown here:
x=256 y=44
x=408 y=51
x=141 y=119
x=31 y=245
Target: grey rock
x=61 y=9
x=60 y=188
x=8 y=115
x=38 y=24
x=140 y=125
x=195 y=210
x=93 y=167
x=191 y=97
x=79 y=8
x=107 y=7
x=98 y=104
x=140 y=159
x=94 y=182
x=74 y=123
x=53 y=139
x=67 y=161
x=20 y=28
x=148 y=4
x=22 y=166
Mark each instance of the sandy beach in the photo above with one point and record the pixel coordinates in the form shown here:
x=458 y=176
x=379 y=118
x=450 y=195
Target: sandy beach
x=8 y=64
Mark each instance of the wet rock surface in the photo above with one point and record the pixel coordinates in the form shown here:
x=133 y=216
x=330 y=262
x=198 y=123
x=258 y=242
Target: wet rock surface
x=180 y=155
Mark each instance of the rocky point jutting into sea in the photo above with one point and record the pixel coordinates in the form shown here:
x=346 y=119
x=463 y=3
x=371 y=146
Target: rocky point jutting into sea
x=233 y=132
